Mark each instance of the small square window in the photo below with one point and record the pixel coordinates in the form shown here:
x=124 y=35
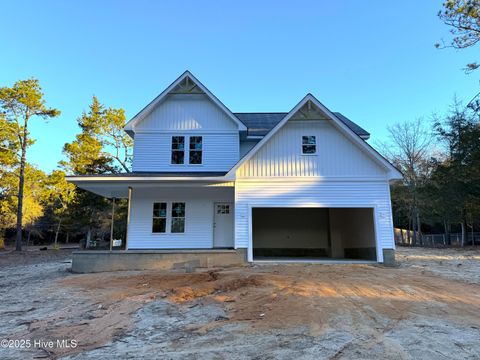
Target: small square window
x=309 y=145
x=223 y=209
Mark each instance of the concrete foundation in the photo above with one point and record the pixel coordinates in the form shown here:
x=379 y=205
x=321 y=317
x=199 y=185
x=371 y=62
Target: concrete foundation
x=100 y=261
x=389 y=257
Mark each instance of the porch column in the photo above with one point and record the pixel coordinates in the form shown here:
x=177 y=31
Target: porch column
x=128 y=215
x=111 y=227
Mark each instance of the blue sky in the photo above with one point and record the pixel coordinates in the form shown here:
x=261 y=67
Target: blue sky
x=374 y=60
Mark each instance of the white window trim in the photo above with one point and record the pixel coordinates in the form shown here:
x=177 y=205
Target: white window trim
x=168 y=225
x=189 y=137
x=184 y=217
x=301 y=146
x=186 y=150
x=156 y=217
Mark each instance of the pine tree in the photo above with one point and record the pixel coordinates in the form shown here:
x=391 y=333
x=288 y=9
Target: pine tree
x=20 y=104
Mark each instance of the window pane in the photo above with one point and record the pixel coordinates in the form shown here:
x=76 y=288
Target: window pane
x=195 y=157
x=195 y=143
x=178 y=142
x=178 y=210
x=159 y=209
x=159 y=225
x=178 y=225
x=308 y=140
x=178 y=157
x=309 y=149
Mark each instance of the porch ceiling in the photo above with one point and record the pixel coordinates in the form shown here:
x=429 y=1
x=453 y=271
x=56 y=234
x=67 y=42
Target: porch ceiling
x=118 y=188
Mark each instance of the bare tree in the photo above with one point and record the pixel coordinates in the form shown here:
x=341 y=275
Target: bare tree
x=410 y=149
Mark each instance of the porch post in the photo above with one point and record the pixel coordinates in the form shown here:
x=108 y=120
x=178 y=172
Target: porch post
x=128 y=215
x=111 y=227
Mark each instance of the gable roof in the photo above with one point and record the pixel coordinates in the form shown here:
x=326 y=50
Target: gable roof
x=338 y=123
x=261 y=123
x=186 y=76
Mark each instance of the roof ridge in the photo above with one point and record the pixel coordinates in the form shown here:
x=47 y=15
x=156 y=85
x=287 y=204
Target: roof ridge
x=261 y=112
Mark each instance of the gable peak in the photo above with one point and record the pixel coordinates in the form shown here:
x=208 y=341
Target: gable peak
x=187 y=84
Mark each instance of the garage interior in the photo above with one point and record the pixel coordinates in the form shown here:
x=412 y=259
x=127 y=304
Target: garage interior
x=313 y=234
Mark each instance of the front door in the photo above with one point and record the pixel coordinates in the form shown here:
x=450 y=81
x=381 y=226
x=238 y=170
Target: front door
x=223 y=225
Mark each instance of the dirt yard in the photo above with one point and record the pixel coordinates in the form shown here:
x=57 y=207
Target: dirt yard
x=427 y=308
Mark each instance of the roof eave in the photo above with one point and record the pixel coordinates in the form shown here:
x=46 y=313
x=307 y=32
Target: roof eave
x=393 y=172
x=142 y=179
x=130 y=126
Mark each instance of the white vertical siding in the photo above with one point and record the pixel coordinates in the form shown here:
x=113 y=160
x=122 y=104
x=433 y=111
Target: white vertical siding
x=187 y=112
x=336 y=155
x=376 y=194
x=152 y=152
x=198 y=221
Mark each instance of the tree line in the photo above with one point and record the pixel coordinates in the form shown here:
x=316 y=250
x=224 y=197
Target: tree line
x=40 y=207
x=440 y=162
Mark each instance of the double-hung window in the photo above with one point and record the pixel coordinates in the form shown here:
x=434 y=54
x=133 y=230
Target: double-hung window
x=195 y=151
x=178 y=150
x=159 y=217
x=168 y=219
x=178 y=217
x=309 y=145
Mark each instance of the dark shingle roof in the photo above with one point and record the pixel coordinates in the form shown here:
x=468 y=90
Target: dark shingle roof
x=260 y=124
x=355 y=127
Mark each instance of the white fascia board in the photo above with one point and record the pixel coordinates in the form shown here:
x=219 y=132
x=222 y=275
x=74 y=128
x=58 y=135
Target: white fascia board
x=110 y=179
x=393 y=173
x=312 y=179
x=130 y=126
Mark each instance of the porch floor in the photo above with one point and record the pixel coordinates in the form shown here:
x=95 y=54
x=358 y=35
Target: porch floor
x=158 y=251
x=186 y=259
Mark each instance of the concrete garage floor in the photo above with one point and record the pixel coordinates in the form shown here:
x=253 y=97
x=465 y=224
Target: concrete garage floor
x=425 y=309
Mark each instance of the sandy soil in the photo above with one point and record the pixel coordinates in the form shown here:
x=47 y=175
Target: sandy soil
x=427 y=308
x=33 y=255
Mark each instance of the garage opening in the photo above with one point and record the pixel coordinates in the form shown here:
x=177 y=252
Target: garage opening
x=313 y=234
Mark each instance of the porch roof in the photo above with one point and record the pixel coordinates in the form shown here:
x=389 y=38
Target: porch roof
x=116 y=185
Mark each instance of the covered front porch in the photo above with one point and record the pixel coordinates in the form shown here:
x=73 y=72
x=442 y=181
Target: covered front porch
x=172 y=221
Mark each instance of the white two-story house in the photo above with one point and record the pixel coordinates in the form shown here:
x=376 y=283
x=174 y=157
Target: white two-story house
x=302 y=185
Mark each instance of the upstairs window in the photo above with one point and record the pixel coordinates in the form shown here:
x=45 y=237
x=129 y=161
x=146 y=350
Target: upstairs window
x=178 y=217
x=309 y=145
x=178 y=149
x=195 y=155
x=159 y=217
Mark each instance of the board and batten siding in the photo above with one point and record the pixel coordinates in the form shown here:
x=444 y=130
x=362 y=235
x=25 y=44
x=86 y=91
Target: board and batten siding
x=187 y=112
x=314 y=193
x=336 y=155
x=186 y=115
x=199 y=212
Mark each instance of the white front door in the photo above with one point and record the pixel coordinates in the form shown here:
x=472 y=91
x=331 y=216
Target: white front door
x=223 y=225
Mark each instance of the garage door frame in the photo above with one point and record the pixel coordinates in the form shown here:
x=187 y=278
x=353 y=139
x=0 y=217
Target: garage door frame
x=378 y=247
